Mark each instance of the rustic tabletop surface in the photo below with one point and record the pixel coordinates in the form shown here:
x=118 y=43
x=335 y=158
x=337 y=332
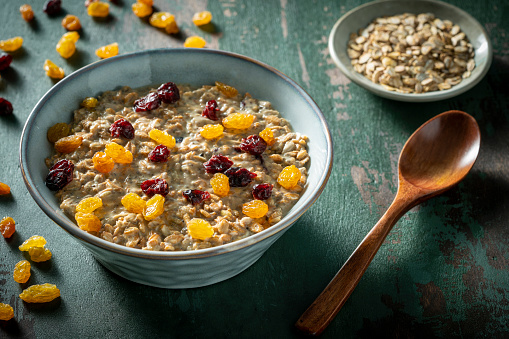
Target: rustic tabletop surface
x=442 y=272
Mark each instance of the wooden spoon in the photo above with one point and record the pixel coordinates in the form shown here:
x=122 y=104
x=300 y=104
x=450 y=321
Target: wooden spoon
x=436 y=157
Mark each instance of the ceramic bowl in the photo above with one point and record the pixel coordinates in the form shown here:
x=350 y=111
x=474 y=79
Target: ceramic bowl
x=197 y=67
x=360 y=17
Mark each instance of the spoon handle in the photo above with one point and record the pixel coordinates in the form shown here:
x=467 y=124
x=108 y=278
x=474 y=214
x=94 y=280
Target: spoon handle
x=321 y=312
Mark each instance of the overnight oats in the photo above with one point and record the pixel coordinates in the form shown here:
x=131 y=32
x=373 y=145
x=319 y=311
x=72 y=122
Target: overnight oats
x=176 y=168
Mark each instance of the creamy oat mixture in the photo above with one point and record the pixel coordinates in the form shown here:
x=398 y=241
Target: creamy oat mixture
x=183 y=170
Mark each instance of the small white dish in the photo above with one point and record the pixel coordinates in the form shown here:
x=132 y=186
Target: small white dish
x=361 y=16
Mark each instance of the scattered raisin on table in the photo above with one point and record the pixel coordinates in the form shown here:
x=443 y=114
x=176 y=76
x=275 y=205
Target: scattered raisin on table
x=118 y=153
x=239 y=176
x=71 y=36
x=88 y=222
x=168 y=93
x=141 y=10
x=107 y=51
x=195 y=42
x=238 y=121
x=68 y=144
x=102 y=162
x=253 y=144
x=7 y=227
x=71 y=22
x=52 y=70
x=155 y=186
x=133 y=203
x=27 y=12
x=11 y=45
x=147 y=103
x=52 y=7
x=122 y=128
x=5 y=61
x=202 y=18
x=60 y=175
x=6 y=312
x=160 y=153
x=39 y=254
x=66 y=48
x=21 y=272
x=172 y=27
x=154 y=207
x=210 y=131
x=147 y=2
x=161 y=19
x=40 y=293
x=195 y=197
x=199 y=229
x=220 y=184
x=57 y=131
x=98 y=9
x=210 y=110
x=217 y=163
x=5 y=107
x=289 y=177
x=33 y=241
x=255 y=209
x=162 y=137
x=262 y=191
x=4 y=189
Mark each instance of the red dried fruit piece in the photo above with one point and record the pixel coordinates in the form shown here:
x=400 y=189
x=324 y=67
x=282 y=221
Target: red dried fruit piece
x=7 y=227
x=262 y=191
x=122 y=128
x=159 y=154
x=217 y=163
x=147 y=103
x=5 y=107
x=60 y=175
x=210 y=110
x=253 y=144
x=5 y=61
x=168 y=93
x=155 y=186
x=195 y=197
x=52 y=7
x=239 y=176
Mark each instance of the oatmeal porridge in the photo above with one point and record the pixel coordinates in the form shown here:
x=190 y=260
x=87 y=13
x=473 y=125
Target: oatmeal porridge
x=176 y=168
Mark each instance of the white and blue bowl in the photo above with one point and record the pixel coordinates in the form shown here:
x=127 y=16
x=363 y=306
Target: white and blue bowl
x=198 y=67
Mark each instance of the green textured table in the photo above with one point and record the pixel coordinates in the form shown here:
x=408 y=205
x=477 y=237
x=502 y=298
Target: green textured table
x=443 y=271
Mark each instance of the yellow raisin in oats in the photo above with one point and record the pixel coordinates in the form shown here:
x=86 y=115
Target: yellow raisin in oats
x=133 y=203
x=89 y=102
x=172 y=27
x=141 y=10
x=7 y=227
x=66 y=48
x=118 y=153
x=4 y=189
x=220 y=184
x=6 y=312
x=68 y=144
x=40 y=293
x=255 y=209
x=57 y=131
x=154 y=207
x=39 y=254
x=88 y=205
x=88 y=222
x=52 y=70
x=34 y=240
x=162 y=138
x=102 y=162
x=199 y=229
x=70 y=36
x=268 y=136
x=211 y=131
x=227 y=90
x=11 y=45
x=21 y=272
x=202 y=18
x=98 y=9
x=161 y=19
x=195 y=42
x=71 y=22
x=238 y=121
x=107 y=51
x=289 y=177
x=26 y=12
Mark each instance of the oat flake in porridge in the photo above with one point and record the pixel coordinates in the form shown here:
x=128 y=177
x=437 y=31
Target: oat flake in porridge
x=200 y=161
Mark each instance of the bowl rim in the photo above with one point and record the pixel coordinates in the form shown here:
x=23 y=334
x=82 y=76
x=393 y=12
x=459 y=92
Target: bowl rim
x=377 y=89
x=71 y=228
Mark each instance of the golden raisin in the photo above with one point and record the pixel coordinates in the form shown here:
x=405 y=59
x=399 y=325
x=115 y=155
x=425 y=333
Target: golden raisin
x=26 y=12
x=227 y=90
x=88 y=222
x=22 y=272
x=52 y=70
x=40 y=293
x=154 y=207
x=211 y=131
x=133 y=203
x=202 y=18
x=238 y=121
x=33 y=241
x=195 y=42
x=141 y=10
x=162 y=137
x=171 y=27
x=255 y=209
x=90 y=102
x=71 y=22
x=6 y=312
x=11 y=45
x=220 y=184
x=102 y=162
x=68 y=144
x=7 y=227
x=70 y=36
x=199 y=229
x=118 y=153
x=147 y=2
x=161 y=19
x=98 y=9
x=66 y=48
x=4 y=189
x=39 y=254
x=289 y=177
x=88 y=205
x=107 y=51
x=57 y=132
x=268 y=136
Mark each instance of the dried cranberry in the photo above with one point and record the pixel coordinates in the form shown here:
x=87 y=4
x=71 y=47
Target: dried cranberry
x=217 y=163
x=168 y=93
x=155 y=186
x=122 y=128
x=5 y=107
x=195 y=196
x=262 y=191
x=60 y=175
x=5 y=61
x=147 y=103
x=52 y=7
x=210 y=110
x=159 y=154
x=253 y=144
x=239 y=176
